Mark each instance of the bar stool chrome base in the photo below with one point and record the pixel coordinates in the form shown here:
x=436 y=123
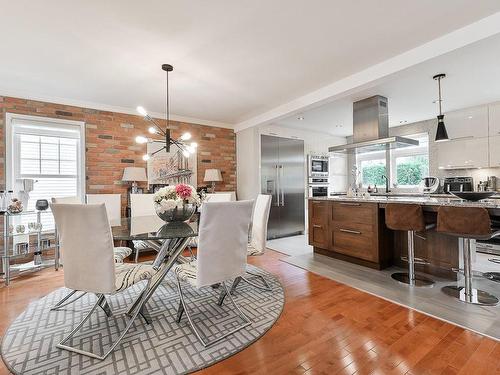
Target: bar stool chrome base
x=404 y=278
x=478 y=297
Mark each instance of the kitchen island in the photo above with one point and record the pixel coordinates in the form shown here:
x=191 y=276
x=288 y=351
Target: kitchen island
x=353 y=229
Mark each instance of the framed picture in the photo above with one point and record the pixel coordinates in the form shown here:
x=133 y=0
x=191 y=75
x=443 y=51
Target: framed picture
x=153 y=188
x=170 y=168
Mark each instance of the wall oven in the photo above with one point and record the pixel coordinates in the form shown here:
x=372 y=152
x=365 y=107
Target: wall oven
x=318 y=165
x=318 y=187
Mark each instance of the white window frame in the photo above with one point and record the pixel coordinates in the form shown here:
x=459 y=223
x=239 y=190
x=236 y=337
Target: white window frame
x=404 y=152
x=12 y=162
x=376 y=155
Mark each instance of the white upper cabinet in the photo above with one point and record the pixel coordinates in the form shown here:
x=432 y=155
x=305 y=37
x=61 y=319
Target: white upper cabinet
x=495 y=151
x=467 y=123
x=494 y=110
x=463 y=153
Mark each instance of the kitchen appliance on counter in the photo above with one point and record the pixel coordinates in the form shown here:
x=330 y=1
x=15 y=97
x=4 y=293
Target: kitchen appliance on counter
x=429 y=185
x=282 y=176
x=492 y=183
x=318 y=165
x=458 y=184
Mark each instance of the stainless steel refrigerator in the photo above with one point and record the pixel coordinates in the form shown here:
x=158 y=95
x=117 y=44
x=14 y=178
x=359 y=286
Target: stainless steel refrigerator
x=282 y=176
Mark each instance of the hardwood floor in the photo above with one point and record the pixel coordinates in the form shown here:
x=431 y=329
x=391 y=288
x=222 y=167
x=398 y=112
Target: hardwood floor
x=325 y=328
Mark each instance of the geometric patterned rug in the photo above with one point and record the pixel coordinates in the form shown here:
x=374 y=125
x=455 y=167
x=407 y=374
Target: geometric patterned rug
x=163 y=347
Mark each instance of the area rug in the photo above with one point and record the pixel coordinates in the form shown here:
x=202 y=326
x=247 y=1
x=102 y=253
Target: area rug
x=163 y=347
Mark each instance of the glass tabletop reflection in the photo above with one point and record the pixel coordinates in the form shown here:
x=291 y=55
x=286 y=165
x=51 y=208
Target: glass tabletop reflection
x=151 y=228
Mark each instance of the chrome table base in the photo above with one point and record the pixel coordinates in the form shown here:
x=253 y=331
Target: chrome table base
x=404 y=277
x=476 y=297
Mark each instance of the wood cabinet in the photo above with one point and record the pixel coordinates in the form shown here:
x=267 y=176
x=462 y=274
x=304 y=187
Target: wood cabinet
x=464 y=153
x=350 y=231
x=318 y=223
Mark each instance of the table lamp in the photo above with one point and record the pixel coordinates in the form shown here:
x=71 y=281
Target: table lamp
x=134 y=174
x=213 y=176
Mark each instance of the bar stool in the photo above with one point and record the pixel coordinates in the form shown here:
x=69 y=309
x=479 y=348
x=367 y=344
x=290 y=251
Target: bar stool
x=468 y=224
x=410 y=218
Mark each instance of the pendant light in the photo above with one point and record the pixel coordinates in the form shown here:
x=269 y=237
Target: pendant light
x=155 y=129
x=441 y=133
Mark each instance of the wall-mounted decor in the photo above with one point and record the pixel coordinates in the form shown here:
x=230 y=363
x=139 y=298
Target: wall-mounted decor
x=170 y=167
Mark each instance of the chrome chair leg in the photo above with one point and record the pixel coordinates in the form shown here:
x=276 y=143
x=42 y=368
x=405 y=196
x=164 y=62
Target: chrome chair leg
x=265 y=286
x=100 y=301
x=62 y=303
x=105 y=307
x=182 y=309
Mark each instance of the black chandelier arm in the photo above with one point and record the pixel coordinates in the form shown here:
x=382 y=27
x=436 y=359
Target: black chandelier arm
x=157 y=151
x=150 y=119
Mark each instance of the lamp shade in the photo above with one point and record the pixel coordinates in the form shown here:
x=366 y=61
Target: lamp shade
x=212 y=175
x=134 y=174
x=441 y=133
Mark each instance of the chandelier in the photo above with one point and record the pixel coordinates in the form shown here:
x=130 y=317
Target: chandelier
x=156 y=130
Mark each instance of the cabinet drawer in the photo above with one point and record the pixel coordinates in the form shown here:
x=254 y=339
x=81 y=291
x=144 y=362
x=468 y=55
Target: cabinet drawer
x=318 y=223
x=353 y=212
x=356 y=240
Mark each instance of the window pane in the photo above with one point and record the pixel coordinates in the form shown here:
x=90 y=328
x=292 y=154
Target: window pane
x=49 y=167
x=30 y=150
x=68 y=152
x=30 y=166
x=372 y=172
x=411 y=169
x=50 y=151
x=68 y=167
x=54 y=140
x=68 y=141
x=30 y=138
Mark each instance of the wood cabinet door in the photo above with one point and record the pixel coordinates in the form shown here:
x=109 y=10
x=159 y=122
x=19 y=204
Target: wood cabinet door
x=318 y=224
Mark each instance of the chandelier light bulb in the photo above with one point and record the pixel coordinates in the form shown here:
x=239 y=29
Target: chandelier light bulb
x=140 y=139
x=185 y=153
x=145 y=157
x=194 y=144
x=142 y=111
x=186 y=136
x=152 y=130
x=190 y=149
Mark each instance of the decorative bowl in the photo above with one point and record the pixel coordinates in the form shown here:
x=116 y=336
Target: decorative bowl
x=473 y=195
x=176 y=214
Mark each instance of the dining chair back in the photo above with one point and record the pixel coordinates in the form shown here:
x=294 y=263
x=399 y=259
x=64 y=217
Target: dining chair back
x=260 y=218
x=87 y=244
x=219 y=197
x=67 y=200
x=142 y=205
x=222 y=241
x=111 y=201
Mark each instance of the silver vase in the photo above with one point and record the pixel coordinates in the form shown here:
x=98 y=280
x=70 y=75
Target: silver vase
x=176 y=214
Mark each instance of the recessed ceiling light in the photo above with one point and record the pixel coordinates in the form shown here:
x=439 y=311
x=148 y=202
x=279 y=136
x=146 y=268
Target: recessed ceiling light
x=339 y=126
x=470 y=117
x=300 y=118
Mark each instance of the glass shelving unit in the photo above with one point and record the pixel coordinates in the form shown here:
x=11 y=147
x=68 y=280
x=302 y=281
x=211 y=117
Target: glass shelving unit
x=25 y=234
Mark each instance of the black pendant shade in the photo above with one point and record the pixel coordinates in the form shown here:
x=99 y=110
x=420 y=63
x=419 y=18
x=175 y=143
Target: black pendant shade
x=441 y=133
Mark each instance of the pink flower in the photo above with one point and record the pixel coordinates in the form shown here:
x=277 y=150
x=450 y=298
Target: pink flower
x=183 y=191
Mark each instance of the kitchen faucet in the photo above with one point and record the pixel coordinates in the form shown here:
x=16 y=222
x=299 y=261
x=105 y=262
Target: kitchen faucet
x=387 y=190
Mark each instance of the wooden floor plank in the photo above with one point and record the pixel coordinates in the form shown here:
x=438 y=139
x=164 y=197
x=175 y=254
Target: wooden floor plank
x=326 y=328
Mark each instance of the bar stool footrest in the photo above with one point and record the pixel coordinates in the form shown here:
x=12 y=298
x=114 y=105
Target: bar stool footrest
x=416 y=260
x=478 y=297
x=493 y=276
x=474 y=273
x=404 y=278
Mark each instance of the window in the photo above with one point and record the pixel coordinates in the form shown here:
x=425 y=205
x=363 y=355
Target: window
x=371 y=167
x=410 y=164
x=49 y=151
x=407 y=165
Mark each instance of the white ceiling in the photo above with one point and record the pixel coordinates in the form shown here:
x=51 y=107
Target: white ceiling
x=232 y=60
x=472 y=78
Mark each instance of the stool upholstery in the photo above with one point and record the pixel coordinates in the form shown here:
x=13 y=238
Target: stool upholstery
x=399 y=216
x=465 y=222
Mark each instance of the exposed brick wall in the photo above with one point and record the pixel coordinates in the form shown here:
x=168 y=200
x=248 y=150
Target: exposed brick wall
x=110 y=145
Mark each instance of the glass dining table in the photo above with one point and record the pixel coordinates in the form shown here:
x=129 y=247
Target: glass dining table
x=173 y=238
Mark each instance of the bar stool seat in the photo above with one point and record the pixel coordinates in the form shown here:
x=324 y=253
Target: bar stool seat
x=410 y=218
x=468 y=224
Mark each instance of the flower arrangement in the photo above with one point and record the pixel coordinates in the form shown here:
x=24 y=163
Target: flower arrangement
x=170 y=197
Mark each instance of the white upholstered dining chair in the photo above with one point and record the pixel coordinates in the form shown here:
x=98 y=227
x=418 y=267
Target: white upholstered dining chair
x=113 y=203
x=143 y=205
x=89 y=263
x=222 y=252
x=120 y=253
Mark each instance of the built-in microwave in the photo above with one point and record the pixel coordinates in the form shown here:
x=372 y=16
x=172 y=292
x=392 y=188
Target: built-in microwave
x=318 y=191
x=318 y=165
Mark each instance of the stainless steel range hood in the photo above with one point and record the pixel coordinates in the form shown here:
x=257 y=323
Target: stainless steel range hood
x=371 y=129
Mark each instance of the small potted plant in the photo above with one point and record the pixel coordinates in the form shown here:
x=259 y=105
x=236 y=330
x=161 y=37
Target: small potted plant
x=176 y=203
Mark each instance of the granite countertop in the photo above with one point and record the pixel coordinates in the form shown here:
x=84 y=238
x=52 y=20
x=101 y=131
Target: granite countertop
x=425 y=201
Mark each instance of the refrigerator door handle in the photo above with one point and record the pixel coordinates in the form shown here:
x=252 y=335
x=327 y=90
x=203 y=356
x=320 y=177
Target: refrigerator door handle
x=281 y=188
x=278 y=185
